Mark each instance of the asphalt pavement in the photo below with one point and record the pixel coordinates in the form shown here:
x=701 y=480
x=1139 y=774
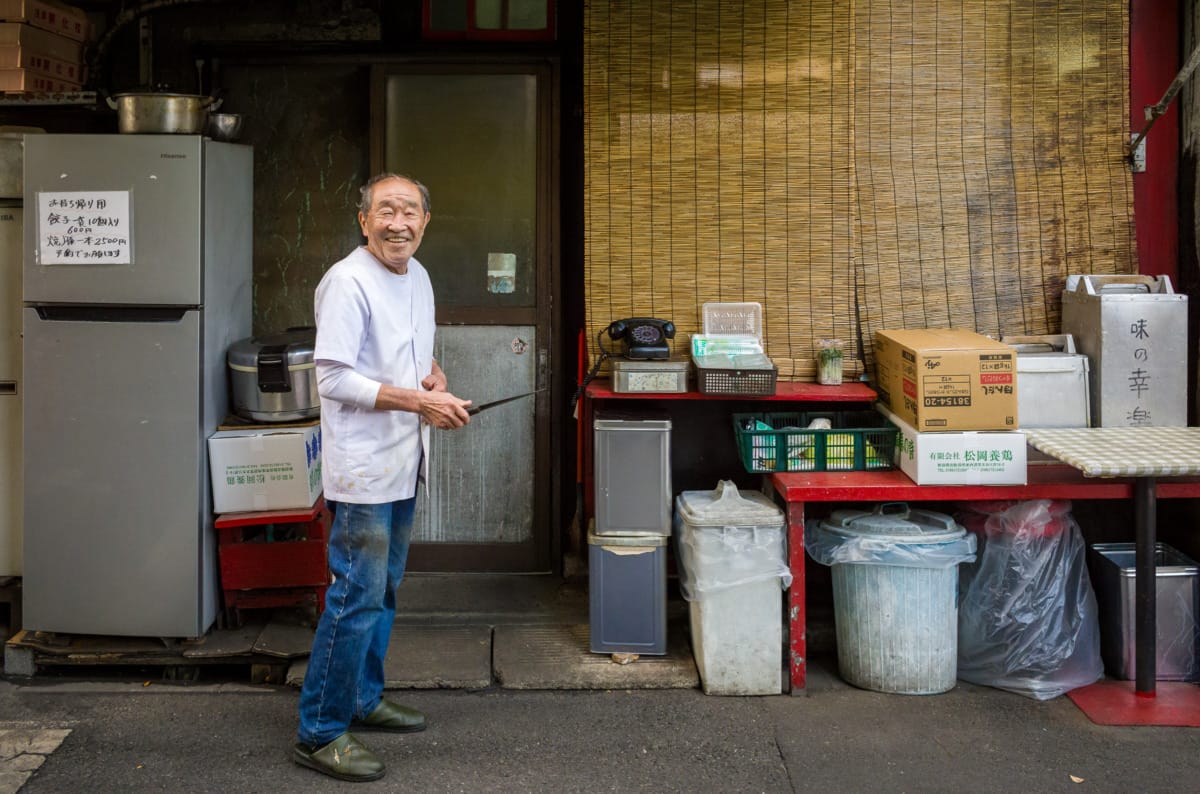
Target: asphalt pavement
x=126 y=735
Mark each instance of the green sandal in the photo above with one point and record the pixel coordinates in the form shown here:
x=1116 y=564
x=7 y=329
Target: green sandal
x=345 y=758
x=391 y=716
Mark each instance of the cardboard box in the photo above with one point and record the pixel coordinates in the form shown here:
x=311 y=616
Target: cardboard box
x=941 y=379
x=27 y=37
x=960 y=457
x=25 y=80
x=61 y=19
x=14 y=56
x=265 y=468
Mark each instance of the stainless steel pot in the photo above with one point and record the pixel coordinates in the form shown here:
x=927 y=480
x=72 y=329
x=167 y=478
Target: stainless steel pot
x=162 y=112
x=273 y=378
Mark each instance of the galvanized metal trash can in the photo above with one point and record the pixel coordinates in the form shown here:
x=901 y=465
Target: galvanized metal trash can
x=1134 y=330
x=1177 y=595
x=897 y=624
x=627 y=593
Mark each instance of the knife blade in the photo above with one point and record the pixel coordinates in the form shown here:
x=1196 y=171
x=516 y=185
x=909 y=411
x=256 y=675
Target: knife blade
x=474 y=409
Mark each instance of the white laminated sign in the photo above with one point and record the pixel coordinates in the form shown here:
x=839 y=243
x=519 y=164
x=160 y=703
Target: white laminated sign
x=84 y=227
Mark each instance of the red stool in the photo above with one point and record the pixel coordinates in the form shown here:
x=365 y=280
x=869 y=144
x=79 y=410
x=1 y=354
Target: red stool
x=273 y=558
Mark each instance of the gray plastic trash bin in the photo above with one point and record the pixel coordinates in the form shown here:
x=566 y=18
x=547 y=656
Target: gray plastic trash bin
x=895 y=584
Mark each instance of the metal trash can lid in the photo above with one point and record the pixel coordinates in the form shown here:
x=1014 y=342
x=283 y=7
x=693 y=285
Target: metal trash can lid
x=725 y=506
x=894 y=521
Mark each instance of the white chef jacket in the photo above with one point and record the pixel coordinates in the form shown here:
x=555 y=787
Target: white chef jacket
x=382 y=325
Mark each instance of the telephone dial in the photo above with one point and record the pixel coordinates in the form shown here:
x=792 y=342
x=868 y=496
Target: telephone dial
x=643 y=337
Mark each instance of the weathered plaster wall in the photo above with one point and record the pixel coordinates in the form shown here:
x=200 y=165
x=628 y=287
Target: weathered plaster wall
x=307 y=121
x=309 y=128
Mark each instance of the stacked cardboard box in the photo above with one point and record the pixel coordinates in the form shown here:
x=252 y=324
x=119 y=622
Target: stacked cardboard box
x=953 y=394
x=41 y=46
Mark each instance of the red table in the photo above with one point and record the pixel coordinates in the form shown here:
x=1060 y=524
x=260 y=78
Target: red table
x=1045 y=482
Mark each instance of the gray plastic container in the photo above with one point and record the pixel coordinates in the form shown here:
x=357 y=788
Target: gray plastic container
x=1177 y=593
x=627 y=593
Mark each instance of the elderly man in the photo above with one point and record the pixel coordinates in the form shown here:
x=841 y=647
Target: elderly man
x=380 y=391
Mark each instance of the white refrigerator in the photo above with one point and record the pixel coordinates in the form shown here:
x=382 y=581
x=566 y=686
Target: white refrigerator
x=137 y=278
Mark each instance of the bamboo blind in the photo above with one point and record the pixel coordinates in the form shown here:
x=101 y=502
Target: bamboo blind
x=851 y=165
x=989 y=160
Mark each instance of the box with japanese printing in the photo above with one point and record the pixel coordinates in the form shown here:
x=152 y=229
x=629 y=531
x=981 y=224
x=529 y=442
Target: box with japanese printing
x=963 y=457
x=947 y=379
x=1134 y=330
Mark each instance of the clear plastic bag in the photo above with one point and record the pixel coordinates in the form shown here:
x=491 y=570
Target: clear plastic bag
x=891 y=534
x=727 y=539
x=1027 y=619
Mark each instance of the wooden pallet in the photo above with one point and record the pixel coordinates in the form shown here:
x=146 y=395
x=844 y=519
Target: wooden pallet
x=266 y=648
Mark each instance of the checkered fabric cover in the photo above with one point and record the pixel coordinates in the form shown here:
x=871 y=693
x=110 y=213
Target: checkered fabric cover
x=1123 y=451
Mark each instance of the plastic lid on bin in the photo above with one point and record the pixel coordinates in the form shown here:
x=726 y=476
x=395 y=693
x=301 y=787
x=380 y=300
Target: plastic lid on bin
x=895 y=522
x=725 y=506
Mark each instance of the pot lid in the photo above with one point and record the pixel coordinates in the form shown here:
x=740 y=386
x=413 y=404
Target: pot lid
x=295 y=346
x=894 y=522
x=725 y=506
x=151 y=92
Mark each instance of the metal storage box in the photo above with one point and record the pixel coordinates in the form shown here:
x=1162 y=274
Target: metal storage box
x=1177 y=595
x=669 y=376
x=1052 y=381
x=632 y=473
x=1134 y=331
x=627 y=593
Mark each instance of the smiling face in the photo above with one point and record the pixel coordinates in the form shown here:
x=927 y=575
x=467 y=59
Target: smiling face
x=394 y=223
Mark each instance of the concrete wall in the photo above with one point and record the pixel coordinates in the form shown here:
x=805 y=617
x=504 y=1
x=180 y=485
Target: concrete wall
x=307 y=120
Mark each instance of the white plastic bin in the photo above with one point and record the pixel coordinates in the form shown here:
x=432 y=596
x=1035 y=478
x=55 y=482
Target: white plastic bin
x=895 y=582
x=731 y=567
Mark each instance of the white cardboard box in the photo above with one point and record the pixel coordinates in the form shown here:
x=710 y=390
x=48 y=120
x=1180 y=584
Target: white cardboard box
x=959 y=457
x=265 y=468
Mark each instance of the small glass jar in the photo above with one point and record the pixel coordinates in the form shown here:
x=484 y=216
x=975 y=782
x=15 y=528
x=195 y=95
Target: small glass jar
x=829 y=362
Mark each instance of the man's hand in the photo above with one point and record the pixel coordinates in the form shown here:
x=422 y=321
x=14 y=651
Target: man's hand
x=435 y=380
x=443 y=410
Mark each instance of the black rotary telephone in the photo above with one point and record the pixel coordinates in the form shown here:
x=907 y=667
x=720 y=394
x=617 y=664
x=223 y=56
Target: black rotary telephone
x=640 y=337
x=643 y=337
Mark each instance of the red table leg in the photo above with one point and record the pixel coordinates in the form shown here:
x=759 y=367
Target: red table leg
x=797 y=621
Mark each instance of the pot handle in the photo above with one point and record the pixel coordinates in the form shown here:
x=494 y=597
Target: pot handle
x=213 y=104
x=112 y=103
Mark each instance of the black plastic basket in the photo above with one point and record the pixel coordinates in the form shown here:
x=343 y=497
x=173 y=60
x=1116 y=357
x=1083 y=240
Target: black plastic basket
x=749 y=382
x=857 y=441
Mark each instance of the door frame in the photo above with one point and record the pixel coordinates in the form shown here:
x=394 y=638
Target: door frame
x=545 y=316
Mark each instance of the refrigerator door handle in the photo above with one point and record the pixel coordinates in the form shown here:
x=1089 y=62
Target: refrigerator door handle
x=113 y=314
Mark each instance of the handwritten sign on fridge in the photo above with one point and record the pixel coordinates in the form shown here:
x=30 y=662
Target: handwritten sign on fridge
x=84 y=227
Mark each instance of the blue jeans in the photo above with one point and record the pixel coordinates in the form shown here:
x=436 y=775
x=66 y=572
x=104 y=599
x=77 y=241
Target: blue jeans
x=368 y=547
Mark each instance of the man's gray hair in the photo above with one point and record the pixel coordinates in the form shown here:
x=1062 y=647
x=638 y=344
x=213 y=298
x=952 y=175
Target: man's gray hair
x=364 y=201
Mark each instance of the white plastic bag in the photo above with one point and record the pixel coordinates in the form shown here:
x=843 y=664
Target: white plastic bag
x=1027 y=619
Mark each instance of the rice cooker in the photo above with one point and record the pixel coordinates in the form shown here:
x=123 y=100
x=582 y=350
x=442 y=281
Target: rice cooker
x=274 y=378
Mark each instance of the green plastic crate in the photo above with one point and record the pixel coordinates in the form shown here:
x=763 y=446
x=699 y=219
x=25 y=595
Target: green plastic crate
x=858 y=441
